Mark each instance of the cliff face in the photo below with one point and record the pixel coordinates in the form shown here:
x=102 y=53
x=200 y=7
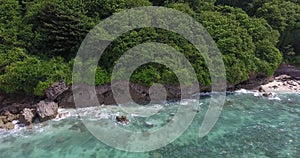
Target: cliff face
x=289 y=70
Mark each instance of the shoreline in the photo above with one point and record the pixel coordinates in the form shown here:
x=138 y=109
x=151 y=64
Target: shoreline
x=283 y=83
x=65 y=113
x=59 y=96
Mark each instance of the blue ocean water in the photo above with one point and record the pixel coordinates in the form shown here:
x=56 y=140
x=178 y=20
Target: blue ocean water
x=248 y=126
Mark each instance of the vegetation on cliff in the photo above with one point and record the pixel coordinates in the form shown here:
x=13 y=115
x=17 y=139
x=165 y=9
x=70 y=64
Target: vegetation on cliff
x=39 y=39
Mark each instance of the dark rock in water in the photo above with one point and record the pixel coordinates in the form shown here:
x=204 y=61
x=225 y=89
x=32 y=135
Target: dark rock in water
x=260 y=89
x=146 y=133
x=170 y=119
x=56 y=89
x=157 y=155
x=60 y=140
x=79 y=126
x=122 y=119
x=268 y=95
x=46 y=110
x=27 y=116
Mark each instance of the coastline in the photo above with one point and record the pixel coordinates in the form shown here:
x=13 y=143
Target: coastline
x=26 y=109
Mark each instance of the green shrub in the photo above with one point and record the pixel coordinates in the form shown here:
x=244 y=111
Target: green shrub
x=31 y=75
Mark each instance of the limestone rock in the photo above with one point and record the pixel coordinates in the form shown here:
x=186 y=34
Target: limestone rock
x=46 y=110
x=9 y=126
x=1 y=124
x=27 y=116
x=56 y=89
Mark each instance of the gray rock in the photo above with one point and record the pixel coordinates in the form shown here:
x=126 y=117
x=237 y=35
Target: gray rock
x=56 y=89
x=27 y=116
x=46 y=110
x=9 y=117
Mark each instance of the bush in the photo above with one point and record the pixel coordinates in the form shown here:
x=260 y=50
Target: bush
x=29 y=74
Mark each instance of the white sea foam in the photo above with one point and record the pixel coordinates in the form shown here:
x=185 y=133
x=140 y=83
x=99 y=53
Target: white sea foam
x=244 y=91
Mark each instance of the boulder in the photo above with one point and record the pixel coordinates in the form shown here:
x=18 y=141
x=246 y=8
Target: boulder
x=56 y=89
x=8 y=117
x=289 y=70
x=12 y=117
x=261 y=89
x=66 y=100
x=1 y=124
x=46 y=110
x=27 y=116
x=122 y=119
x=9 y=126
x=266 y=94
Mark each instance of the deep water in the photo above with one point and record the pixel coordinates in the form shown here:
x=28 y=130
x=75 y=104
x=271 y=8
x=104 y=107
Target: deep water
x=249 y=126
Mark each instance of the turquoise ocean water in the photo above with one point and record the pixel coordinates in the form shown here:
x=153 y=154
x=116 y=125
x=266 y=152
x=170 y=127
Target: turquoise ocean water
x=249 y=126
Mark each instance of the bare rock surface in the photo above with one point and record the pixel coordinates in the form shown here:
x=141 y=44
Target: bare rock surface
x=27 y=116
x=289 y=70
x=283 y=83
x=46 y=110
x=55 y=90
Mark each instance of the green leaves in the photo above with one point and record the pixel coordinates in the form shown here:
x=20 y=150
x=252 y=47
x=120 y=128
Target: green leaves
x=39 y=39
x=29 y=74
x=246 y=43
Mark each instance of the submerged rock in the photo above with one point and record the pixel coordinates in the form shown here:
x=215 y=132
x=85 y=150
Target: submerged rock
x=46 y=110
x=149 y=124
x=78 y=126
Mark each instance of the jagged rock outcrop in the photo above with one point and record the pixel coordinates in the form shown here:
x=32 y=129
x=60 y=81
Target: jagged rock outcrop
x=253 y=83
x=6 y=119
x=9 y=126
x=9 y=117
x=285 y=69
x=27 y=116
x=55 y=90
x=46 y=110
x=104 y=94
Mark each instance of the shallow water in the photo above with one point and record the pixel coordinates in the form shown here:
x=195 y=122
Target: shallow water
x=249 y=126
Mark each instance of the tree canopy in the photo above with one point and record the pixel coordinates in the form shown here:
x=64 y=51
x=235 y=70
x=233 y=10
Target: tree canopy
x=39 y=39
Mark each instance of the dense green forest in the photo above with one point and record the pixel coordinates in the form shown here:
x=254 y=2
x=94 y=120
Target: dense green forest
x=40 y=38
